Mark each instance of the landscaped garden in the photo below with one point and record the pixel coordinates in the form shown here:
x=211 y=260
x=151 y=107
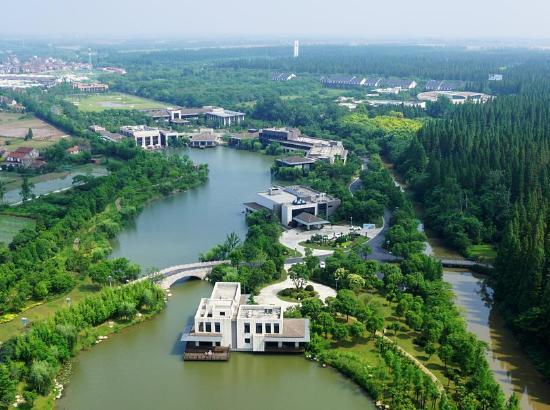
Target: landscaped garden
x=296 y=295
x=336 y=241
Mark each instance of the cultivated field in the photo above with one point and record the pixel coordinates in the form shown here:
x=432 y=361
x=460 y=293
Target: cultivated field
x=14 y=127
x=11 y=225
x=118 y=101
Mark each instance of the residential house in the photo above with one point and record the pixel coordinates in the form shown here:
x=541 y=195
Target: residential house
x=282 y=76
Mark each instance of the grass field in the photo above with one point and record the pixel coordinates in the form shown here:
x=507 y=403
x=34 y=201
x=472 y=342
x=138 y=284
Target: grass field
x=45 y=310
x=119 y=101
x=11 y=225
x=14 y=127
x=482 y=253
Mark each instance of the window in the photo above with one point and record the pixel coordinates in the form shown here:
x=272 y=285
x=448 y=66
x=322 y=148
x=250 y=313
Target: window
x=276 y=328
x=258 y=328
x=201 y=327
x=247 y=327
x=208 y=326
x=268 y=327
x=222 y=313
x=247 y=340
x=209 y=314
x=217 y=327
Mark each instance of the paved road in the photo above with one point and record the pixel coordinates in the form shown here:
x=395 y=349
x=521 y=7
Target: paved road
x=268 y=295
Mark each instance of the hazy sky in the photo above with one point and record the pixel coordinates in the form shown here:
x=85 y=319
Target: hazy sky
x=361 y=19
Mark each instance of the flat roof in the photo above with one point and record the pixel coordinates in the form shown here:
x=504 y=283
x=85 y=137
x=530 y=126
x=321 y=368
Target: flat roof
x=255 y=206
x=309 y=219
x=260 y=311
x=292 y=328
x=295 y=160
x=225 y=290
x=278 y=196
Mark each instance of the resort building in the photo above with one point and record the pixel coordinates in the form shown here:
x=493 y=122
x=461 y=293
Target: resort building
x=203 y=140
x=148 y=137
x=224 y=118
x=339 y=81
x=444 y=85
x=315 y=148
x=224 y=322
x=295 y=162
x=287 y=203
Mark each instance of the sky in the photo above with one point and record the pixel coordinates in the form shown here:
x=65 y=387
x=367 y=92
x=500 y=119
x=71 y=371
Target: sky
x=255 y=19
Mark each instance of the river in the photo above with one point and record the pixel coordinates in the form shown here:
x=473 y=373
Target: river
x=512 y=369
x=141 y=368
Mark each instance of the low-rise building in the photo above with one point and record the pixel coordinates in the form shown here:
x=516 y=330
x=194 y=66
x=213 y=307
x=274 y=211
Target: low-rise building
x=288 y=202
x=315 y=148
x=225 y=118
x=203 y=140
x=90 y=87
x=343 y=81
x=296 y=162
x=22 y=157
x=496 y=77
x=444 y=85
x=148 y=137
x=283 y=76
x=225 y=322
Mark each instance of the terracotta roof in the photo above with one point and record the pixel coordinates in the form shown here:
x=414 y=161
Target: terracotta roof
x=26 y=150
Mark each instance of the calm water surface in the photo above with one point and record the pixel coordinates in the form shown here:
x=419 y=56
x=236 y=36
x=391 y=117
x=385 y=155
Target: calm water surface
x=141 y=368
x=511 y=367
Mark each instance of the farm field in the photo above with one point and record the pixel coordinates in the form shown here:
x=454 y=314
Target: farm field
x=119 y=101
x=10 y=225
x=14 y=127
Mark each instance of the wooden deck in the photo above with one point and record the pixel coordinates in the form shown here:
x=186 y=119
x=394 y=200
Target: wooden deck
x=206 y=353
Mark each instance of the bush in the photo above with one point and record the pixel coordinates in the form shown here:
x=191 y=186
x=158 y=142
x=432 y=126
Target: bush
x=309 y=288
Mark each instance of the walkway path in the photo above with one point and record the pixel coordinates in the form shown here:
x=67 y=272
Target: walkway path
x=268 y=295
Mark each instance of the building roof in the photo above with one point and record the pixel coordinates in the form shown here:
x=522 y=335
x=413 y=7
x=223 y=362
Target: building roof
x=292 y=328
x=203 y=137
x=18 y=154
x=223 y=113
x=295 y=160
x=255 y=206
x=309 y=219
x=26 y=150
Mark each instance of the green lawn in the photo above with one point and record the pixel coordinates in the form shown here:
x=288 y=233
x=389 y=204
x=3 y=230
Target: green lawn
x=44 y=310
x=482 y=253
x=11 y=225
x=119 y=101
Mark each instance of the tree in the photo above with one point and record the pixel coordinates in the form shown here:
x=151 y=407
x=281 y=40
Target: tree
x=311 y=308
x=339 y=331
x=29 y=135
x=300 y=274
x=326 y=322
x=3 y=191
x=41 y=376
x=375 y=323
x=26 y=189
x=355 y=282
x=346 y=303
x=8 y=386
x=357 y=329
x=126 y=310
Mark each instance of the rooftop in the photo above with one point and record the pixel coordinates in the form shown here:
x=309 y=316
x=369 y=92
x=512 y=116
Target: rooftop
x=295 y=160
x=293 y=328
x=308 y=218
x=260 y=311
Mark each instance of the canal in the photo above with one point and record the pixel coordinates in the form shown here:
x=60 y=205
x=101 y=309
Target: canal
x=141 y=368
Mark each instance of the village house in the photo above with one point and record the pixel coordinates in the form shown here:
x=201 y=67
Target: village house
x=22 y=157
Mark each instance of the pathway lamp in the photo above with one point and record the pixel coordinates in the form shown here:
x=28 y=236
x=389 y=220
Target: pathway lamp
x=337 y=279
x=68 y=300
x=24 y=321
x=110 y=281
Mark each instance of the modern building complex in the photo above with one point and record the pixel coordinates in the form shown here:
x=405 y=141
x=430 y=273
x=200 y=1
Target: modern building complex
x=456 y=97
x=225 y=322
x=315 y=148
x=287 y=203
x=340 y=81
x=148 y=137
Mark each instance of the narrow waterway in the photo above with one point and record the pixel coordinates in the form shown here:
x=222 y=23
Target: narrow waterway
x=45 y=184
x=141 y=368
x=512 y=369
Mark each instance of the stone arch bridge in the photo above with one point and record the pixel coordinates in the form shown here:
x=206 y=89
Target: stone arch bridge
x=168 y=276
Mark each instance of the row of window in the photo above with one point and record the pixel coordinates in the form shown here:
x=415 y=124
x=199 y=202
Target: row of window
x=207 y=327
x=259 y=328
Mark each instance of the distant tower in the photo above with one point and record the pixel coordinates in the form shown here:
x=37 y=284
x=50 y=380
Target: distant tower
x=296 y=49
x=90 y=57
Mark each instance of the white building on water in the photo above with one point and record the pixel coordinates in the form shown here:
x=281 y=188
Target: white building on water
x=224 y=322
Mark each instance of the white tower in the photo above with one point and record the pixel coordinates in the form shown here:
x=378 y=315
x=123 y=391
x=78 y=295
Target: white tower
x=296 y=49
x=90 y=57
